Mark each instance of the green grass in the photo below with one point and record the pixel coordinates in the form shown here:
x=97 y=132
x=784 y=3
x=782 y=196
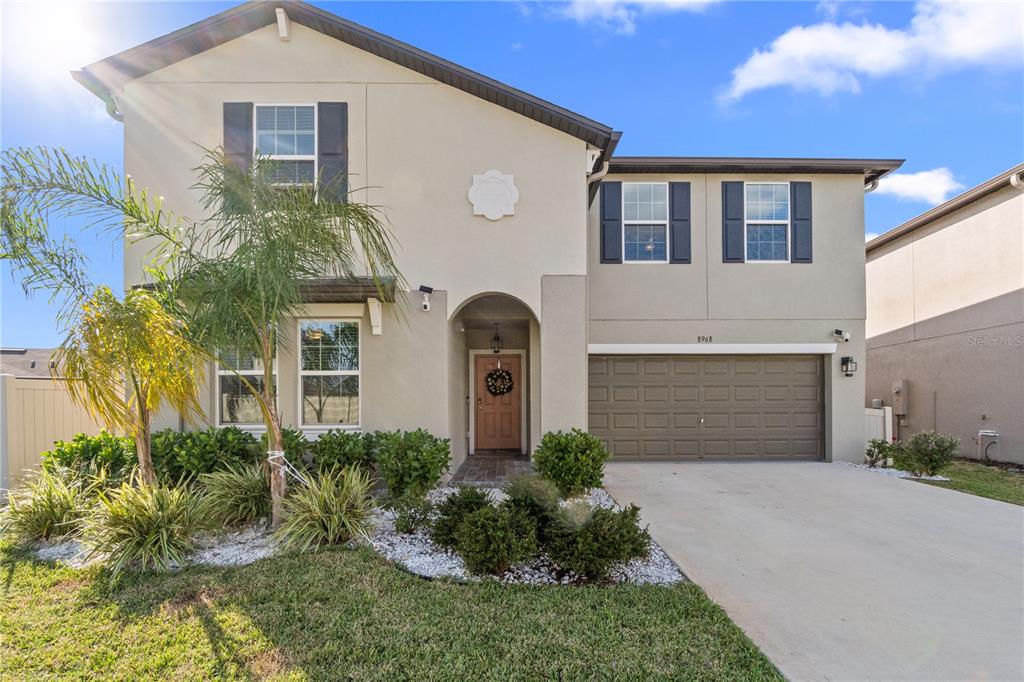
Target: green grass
x=348 y=614
x=999 y=483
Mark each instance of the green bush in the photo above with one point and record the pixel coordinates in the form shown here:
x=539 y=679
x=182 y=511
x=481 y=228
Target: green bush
x=535 y=496
x=148 y=526
x=337 y=449
x=237 y=494
x=493 y=539
x=296 y=446
x=51 y=502
x=181 y=455
x=453 y=510
x=879 y=450
x=88 y=455
x=927 y=453
x=574 y=461
x=412 y=461
x=411 y=513
x=590 y=544
x=335 y=507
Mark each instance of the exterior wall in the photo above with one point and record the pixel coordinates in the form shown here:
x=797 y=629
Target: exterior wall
x=749 y=302
x=946 y=313
x=563 y=347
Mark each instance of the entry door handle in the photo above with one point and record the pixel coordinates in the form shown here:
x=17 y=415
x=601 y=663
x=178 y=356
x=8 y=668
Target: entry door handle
x=479 y=403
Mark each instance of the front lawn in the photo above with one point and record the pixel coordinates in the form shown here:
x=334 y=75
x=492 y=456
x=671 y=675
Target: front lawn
x=348 y=614
x=997 y=482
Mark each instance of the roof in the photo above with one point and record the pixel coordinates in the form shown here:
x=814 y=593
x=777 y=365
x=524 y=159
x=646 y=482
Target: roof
x=954 y=204
x=107 y=75
x=871 y=169
x=26 y=363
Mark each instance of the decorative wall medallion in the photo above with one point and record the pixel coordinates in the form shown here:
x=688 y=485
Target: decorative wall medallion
x=493 y=195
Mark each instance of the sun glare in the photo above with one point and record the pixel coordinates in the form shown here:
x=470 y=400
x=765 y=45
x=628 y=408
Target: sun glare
x=45 y=39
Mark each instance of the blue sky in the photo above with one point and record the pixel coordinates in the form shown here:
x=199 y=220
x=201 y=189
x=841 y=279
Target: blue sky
x=941 y=85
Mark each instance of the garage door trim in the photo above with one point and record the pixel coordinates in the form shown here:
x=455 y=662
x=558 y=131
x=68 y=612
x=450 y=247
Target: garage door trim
x=711 y=348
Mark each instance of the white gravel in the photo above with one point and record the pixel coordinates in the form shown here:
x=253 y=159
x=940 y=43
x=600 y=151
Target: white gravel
x=68 y=552
x=235 y=548
x=895 y=473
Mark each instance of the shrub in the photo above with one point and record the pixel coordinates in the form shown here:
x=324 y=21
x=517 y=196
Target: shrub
x=296 y=446
x=149 y=526
x=181 y=455
x=574 y=461
x=335 y=507
x=492 y=539
x=590 y=544
x=88 y=455
x=237 y=494
x=51 y=503
x=412 y=461
x=411 y=513
x=453 y=510
x=927 y=453
x=338 y=449
x=535 y=496
x=879 y=450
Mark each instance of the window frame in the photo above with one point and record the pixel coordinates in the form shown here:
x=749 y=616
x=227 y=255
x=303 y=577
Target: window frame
x=219 y=372
x=301 y=373
x=668 y=236
x=315 y=157
x=788 y=222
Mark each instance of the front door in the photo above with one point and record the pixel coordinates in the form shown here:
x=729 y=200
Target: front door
x=498 y=405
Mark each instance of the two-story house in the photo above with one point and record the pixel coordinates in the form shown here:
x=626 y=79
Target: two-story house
x=677 y=307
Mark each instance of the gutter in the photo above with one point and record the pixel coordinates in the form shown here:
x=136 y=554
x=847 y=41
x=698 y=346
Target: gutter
x=93 y=85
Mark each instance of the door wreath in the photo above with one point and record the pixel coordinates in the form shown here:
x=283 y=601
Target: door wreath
x=498 y=381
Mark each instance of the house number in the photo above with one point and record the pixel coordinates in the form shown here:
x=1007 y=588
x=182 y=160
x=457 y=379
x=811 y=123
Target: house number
x=703 y=339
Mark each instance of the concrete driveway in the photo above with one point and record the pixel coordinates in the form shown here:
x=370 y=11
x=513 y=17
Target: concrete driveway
x=843 y=574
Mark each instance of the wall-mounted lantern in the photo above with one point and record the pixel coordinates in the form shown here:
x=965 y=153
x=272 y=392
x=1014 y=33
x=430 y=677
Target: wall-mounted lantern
x=497 y=343
x=848 y=365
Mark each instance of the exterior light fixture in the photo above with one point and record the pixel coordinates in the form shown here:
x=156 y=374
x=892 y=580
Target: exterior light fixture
x=314 y=334
x=848 y=365
x=497 y=343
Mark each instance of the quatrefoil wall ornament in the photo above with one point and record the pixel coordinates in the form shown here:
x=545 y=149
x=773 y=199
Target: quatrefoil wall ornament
x=493 y=195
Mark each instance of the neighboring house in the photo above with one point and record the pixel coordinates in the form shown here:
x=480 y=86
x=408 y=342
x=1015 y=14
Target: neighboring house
x=945 y=318
x=694 y=331
x=26 y=363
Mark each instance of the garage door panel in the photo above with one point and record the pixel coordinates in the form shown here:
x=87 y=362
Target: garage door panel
x=691 y=407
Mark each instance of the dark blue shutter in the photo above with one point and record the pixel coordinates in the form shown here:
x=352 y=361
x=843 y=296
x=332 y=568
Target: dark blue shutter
x=332 y=149
x=611 y=222
x=732 y=222
x=238 y=134
x=800 y=218
x=679 y=221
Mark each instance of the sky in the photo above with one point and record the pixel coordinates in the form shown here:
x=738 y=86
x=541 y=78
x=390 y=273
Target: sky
x=938 y=84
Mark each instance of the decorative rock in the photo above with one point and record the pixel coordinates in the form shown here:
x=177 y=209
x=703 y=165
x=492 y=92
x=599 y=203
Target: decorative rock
x=895 y=473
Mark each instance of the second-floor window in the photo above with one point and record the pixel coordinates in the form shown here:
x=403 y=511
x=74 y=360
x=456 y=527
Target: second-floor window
x=645 y=222
x=287 y=134
x=766 y=212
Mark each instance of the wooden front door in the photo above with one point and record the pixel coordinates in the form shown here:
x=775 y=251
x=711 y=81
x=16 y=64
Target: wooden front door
x=497 y=417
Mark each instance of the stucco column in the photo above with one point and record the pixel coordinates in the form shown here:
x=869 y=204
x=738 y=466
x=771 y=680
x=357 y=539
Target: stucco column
x=844 y=398
x=563 y=350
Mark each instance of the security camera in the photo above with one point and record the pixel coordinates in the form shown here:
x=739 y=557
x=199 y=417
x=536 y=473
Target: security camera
x=426 y=291
x=840 y=334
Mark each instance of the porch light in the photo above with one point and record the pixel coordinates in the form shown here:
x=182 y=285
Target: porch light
x=848 y=365
x=497 y=343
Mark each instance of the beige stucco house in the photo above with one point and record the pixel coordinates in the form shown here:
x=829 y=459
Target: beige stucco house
x=677 y=307
x=945 y=323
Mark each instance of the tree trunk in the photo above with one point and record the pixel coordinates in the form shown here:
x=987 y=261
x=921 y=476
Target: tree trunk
x=278 y=481
x=146 y=472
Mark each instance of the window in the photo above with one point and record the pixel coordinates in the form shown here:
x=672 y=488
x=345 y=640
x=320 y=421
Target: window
x=645 y=222
x=287 y=134
x=236 y=405
x=767 y=221
x=329 y=373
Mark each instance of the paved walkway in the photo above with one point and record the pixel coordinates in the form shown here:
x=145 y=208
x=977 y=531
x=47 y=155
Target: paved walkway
x=843 y=574
x=491 y=469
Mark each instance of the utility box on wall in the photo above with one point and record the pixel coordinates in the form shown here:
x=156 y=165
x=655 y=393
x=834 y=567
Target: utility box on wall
x=899 y=397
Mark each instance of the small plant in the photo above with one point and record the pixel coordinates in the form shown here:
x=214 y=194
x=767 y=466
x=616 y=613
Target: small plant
x=51 y=503
x=453 y=510
x=334 y=508
x=237 y=494
x=411 y=513
x=337 y=449
x=590 y=542
x=181 y=455
x=296 y=446
x=412 y=461
x=535 y=496
x=491 y=540
x=87 y=455
x=880 y=451
x=148 y=526
x=574 y=461
x=927 y=453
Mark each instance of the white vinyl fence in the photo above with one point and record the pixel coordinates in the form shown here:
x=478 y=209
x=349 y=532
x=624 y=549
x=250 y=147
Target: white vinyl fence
x=33 y=414
x=877 y=423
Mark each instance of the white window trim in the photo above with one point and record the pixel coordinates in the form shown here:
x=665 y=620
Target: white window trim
x=220 y=372
x=668 y=237
x=314 y=157
x=320 y=428
x=787 y=222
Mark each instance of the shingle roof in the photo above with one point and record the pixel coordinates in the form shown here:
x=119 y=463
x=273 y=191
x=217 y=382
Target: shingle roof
x=27 y=363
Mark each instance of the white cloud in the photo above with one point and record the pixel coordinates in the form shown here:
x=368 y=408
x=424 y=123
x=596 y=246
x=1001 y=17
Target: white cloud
x=833 y=57
x=930 y=186
x=621 y=15
x=868 y=236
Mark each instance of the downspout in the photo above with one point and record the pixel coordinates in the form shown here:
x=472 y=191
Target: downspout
x=871 y=186
x=594 y=177
x=1017 y=180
